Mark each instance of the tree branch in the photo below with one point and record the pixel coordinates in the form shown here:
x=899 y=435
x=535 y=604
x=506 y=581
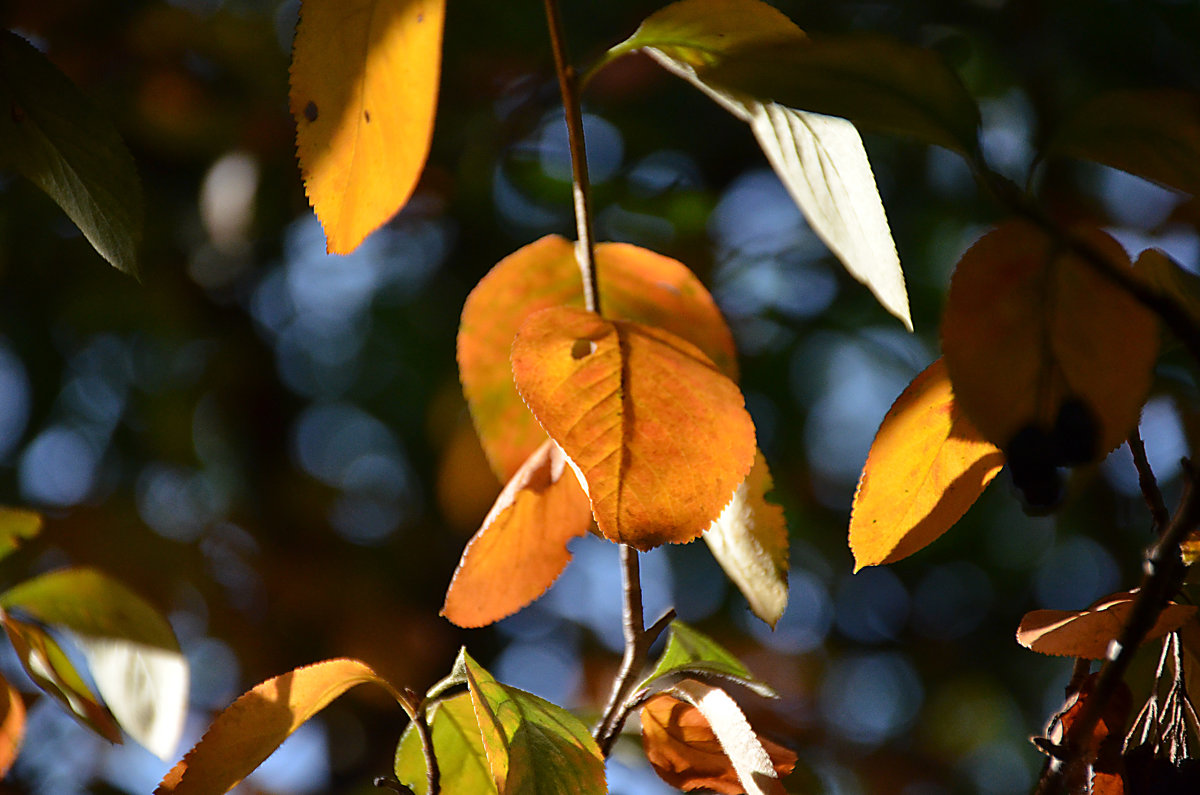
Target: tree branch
x=1148 y=483
x=567 y=83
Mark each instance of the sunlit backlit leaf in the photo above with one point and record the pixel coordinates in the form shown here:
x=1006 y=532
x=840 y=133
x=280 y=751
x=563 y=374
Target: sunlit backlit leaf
x=364 y=83
x=522 y=546
x=251 y=728
x=926 y=467
x=57 y=139
x=458 y=746
x=1154 y=134
x=657 y=434
x=635 y=284
x=1087 y=633
x=750 y=541
x=12 y=725
x=691 y=652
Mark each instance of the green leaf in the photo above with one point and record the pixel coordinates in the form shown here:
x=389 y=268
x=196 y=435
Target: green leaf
x=547 y=749
x=51 y=670
x=1152 y=134
x=129 y=647
x=17 y=525
x=56 y=138
x=458 y=747
x=690 y=652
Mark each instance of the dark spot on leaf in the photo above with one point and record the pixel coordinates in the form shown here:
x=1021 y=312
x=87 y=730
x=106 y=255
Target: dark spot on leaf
x=582 y=348
x=367 y=116
x=310 y=111
x=1076 y=432
x=421 y=17
x=18 y=113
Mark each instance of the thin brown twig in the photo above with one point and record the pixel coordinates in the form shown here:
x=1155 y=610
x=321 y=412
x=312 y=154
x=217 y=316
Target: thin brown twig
x=1164 y=573
x=1148 y=483
x=580 y=186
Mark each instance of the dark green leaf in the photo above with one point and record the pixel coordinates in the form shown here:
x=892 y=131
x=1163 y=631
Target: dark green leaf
x=55 y=137
x=690 y=652
x=17 y=525
x=51 y=670
x=456 y=744
x=1153 y=134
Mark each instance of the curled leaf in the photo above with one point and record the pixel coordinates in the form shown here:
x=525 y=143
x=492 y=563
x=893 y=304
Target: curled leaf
x=750 y=541
x=251 y=728
x=364 y=82
x=926 y=467
x=658 y=436
x=1088 y=633
x=521 y=548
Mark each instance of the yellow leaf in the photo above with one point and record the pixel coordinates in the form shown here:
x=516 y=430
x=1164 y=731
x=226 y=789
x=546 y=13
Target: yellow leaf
x=1087 y=633
x=522 y=546
x=364 y=84
x=926 y=467
x=635 y=284
x=252 y=727
x=1030 y=327
x=658 y=436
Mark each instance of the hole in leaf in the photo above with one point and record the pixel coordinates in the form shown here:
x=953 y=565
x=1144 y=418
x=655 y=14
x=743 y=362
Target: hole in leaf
x=582 y=348
x=310 y=111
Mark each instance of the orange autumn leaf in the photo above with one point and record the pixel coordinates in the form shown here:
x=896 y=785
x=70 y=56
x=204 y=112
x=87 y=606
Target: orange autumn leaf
x=364 y=82
x=681 y=745
x=12 y=725
x=1028 y=324
x=1105 y=773
x=658 y=435
x=1087 y=633
x=635 y=284
x=926 y=467
x=251 y=728
x=521 y=548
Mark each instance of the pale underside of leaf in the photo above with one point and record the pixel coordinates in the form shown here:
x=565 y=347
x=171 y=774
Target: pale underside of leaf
x=364 y=82
x=1088 y=633
x=738 y=740
x=822 y=163
x=749 y=539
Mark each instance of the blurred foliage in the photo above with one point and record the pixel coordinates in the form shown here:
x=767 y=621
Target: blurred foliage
x=271 y=444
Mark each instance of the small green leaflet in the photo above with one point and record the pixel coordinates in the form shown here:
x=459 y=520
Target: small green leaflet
x=690 y=652
x=56 y=138
x=16 y=526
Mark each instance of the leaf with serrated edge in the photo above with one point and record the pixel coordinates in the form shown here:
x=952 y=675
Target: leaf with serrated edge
x=16 y=527
x=691 y=652
x=546 y=748
x=820 y=159
x=50 y=669
x=1087 y=633
x=458 y=747
x=58 y=140
x=12 y=725
x=1027 y=323
x=926 y=467
x=737 y=739
x=635 y=284
x=364 y=83
x=1153 y=134
x=750 y=541
x=251 y=728
x=521 y=548
x=658 y=436
x=685 y=753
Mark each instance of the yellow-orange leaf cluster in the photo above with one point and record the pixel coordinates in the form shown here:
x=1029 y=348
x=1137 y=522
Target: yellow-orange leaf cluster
x=681 y=745
x=1087 y=633
x=658 y=435
x=364 y=82
x=926 y=467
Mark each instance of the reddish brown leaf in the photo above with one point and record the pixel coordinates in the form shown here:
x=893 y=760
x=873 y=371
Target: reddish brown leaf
x=522 y=546
x=12 y=725
x=635 y=284
x=1103 y=748
x=1087 y=633
x=926 y=467
x=658 y=435
x=686 y=754
x=252 y=727
x=1029 y=324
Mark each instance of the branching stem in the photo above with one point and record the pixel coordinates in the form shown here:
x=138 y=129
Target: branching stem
x=1148 y=483
x=568 y=85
